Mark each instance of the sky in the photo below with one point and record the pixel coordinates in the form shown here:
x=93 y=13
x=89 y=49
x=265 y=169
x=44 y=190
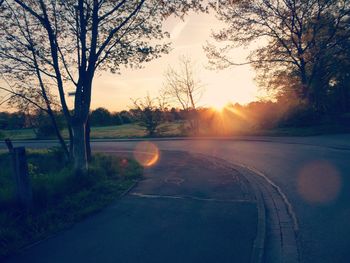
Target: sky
x=116 y=91
x=236 y=84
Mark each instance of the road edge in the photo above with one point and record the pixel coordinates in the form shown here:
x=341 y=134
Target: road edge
x=277 y=237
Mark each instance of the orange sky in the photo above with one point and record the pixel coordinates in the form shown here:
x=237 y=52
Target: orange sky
x=188 y=36
x=114 y=91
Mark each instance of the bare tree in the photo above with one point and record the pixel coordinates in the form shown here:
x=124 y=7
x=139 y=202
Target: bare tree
x=182 y=88
x=62 y=44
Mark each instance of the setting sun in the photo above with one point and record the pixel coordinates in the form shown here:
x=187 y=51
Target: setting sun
x=219 y=107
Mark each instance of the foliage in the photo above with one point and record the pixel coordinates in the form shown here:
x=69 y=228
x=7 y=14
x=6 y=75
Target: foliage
x=103 y=117
x=42 y=124
x=125 y=116
x=301 y=116
x=116 y=119
x=303 y=44
x=147 y=114
x=100 y=117
x=15 y=120
x=60 y=197
x=63 y=44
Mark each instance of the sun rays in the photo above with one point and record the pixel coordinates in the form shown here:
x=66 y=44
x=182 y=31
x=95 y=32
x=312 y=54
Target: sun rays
x=223 y=120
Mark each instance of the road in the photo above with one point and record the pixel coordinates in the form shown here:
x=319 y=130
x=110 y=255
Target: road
x=186 y=209
x=313 y=173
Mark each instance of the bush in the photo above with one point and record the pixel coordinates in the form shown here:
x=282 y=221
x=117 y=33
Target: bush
x=125 y=117
x=15 y=120
x=44 y=125
x=100 y=117
x=60 y=197
x=45 y=130
x=301 y=116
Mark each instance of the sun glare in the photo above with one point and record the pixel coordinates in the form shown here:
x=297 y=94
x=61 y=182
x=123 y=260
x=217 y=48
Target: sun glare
x=219 y=107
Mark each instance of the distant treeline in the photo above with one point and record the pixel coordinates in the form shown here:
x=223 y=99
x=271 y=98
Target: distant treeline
x=258 y=115
x=98 y=117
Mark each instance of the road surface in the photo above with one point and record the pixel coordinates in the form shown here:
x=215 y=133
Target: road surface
x=187 y=208
x=312 y=172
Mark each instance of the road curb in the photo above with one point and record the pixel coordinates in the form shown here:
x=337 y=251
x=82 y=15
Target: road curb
x=134 y=184
x=277 y=227
x=259 y=241
x=281 y=227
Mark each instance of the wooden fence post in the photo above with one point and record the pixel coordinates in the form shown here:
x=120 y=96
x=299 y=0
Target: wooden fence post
x=24 y=193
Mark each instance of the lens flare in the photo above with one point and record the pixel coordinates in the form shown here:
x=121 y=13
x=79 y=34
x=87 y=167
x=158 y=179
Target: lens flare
x=146 y=153
x=319 y=182
x=124 y=162
x=224 y=121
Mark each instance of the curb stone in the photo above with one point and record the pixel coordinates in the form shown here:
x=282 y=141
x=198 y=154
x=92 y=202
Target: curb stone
x=277 y=232
x=281 y=244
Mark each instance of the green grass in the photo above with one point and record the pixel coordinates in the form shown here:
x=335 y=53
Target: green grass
x=106 y=132
x=60 y=198
x=174 y=129
x=121 y=131
x=20 y=134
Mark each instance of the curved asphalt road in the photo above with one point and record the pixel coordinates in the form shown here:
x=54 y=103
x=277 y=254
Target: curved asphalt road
x=313 y=172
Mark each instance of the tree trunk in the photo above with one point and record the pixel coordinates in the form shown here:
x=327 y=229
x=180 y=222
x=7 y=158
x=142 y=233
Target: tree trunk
x=87 y=140
x=79 y=148
x=70 y=132
x=304 y=82
x=58 y=134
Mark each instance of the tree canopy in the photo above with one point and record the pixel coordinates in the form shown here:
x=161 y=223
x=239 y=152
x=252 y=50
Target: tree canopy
x=295 y=42
x=60 y=45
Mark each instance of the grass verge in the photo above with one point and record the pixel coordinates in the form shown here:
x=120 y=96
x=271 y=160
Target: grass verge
x=174 y=129
x=107 y=132
x=60 y=197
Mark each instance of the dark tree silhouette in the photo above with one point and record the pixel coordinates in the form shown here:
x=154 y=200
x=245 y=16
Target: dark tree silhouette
x=62 y=44
x=148 y=114
x=100 y=117
x=296 y=40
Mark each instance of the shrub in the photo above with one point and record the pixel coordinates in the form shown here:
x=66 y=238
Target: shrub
x=299 y=116
x=45 y=128
x=100 y=117
x=60 y=197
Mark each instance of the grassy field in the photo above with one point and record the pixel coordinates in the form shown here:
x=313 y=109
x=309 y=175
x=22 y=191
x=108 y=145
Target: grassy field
x=60 y=198
x=175 y=130
x=107 y=132
x=22 y=134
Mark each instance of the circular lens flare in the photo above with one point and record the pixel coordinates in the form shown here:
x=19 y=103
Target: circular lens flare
x=319 y=182
x=146 y=154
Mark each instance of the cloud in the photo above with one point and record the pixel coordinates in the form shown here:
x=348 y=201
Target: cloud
x=178 y=28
